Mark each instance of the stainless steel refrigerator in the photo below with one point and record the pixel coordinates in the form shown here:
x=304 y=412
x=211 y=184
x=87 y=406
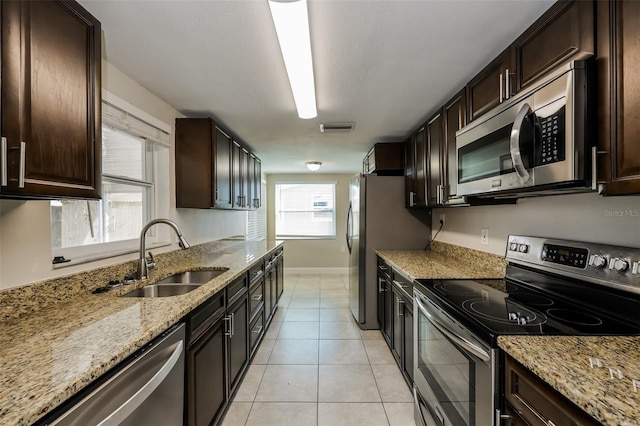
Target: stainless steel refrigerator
x=376 y=220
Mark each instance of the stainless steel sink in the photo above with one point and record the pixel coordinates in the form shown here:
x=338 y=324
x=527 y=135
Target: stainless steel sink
x=162 y=290
x=193 y=277
x=177 y=284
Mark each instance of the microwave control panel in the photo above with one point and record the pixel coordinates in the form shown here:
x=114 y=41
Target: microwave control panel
x=551 y=148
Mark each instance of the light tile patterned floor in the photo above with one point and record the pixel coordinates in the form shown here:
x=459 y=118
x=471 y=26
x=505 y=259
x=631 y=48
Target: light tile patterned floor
x=316 y=367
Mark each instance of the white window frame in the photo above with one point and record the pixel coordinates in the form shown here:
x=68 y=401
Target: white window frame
x=306 y=237
x=120 y=114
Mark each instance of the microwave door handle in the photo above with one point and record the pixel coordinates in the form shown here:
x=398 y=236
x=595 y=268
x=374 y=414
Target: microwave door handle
x=467 y=345
x=516 y=156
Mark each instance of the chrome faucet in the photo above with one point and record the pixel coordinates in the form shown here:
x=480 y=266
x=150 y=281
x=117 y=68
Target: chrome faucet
x=143 y=264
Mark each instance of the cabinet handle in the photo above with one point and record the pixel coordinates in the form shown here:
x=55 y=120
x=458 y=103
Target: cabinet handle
x=3 y=162
x=216 y=198
x=228 y=331
x=257 y=329
x=233 y=324
x=23 y=149
x=411 y=199
x=398 y=302
x=501 y=88
x=507 y=88
x=257 y=297
x=380 y=289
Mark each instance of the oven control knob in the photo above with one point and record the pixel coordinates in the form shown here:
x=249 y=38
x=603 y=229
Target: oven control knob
x=513 y=246
x=597 y=261
x=523 y=248
x=620 y=265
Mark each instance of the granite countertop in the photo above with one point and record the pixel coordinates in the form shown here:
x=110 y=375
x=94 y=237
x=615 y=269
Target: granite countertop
x=51 y=351
x=444 y=260
x=564 y=363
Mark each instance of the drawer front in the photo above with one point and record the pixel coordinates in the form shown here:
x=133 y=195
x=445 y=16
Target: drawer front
x=403 y=285
x=256 y=330
x=383 y=268
x=205 y=315
x=256 y=272
x=256 y=298
x=235 y=289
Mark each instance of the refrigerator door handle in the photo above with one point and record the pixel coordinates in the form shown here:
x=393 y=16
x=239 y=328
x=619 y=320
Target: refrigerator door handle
x=349 y=227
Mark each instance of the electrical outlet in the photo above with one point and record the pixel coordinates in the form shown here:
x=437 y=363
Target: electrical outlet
x=484 y=236
x=442 y=219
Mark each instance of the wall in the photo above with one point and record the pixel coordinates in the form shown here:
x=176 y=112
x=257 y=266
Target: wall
x=25 y=236
x=329 y=256
x=581 y=217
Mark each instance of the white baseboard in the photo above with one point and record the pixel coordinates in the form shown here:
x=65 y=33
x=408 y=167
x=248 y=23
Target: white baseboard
x=315 y=271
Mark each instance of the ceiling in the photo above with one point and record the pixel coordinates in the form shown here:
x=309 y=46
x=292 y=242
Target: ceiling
x=383 y=64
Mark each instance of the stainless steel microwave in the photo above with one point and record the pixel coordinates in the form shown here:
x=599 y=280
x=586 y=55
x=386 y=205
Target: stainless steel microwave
x=537 y=143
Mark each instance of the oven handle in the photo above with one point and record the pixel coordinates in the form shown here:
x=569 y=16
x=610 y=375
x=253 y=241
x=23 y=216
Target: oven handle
x=479 y=352
x=516 y=156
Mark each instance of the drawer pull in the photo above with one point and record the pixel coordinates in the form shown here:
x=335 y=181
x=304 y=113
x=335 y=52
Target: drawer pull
x=257 y=297
x=258 y=329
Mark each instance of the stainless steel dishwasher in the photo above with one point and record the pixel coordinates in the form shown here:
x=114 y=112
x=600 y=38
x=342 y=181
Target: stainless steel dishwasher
x=147 y=390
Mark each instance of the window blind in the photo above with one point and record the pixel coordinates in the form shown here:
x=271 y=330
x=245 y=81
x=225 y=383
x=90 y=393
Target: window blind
x=305 y=210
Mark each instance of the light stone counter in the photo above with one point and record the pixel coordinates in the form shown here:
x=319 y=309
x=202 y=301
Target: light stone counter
x=444 y=260
x=56 y=337
x=563 y=363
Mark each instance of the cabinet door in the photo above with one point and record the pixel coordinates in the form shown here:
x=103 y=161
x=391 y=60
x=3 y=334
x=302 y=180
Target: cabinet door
x=487 y=89
x=51 y=100
x=206 y=385
x=222 y=170
x=380 y=300
x=409 y=171
x=398 y=325
x=407 y=342
x=256 y=193
x=434 y=158
x=238 y=340
x=563 y=33
x=388 y=312
x=250 y=181
x=455 y=118
x=279 y=277
x=618 y=92
x=194 y=162
x=268 y=294
x=420 y=197
x=236 y=174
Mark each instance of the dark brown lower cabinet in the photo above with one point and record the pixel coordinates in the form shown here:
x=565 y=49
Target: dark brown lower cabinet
x=217 y=353
x=401 y=341
x=206 y=386
x=279 y=265
x=530 y=401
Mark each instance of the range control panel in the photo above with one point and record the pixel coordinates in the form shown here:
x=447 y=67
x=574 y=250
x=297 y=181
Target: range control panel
x=598 y=263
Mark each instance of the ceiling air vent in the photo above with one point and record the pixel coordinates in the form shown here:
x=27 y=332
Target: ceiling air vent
x=336 y=127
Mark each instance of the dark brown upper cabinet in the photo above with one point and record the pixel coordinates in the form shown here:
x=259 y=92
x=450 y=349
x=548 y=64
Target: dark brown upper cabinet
x=415 y=181
x=487 y=90
x=51 y=101
x=618 y=45
x=203 y=164
x=563 y=33
x=435 y=142
x=385 y=159
x=454 y=115
x=255 y=182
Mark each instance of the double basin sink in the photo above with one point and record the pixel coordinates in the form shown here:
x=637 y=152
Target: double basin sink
x=177 y=284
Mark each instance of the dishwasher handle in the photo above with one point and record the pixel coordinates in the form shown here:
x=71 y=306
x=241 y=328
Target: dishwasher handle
x=130 y=405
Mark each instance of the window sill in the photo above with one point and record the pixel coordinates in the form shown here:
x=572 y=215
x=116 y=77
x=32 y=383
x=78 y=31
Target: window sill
x=105 y=255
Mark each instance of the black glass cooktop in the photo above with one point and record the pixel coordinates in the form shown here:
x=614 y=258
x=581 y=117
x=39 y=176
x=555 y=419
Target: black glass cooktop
x=543 y=306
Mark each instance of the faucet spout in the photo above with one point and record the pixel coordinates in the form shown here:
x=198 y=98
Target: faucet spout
x=143 y=266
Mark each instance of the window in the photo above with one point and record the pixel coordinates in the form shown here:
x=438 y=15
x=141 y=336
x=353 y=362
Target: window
x=130 y=152
x=305 y=210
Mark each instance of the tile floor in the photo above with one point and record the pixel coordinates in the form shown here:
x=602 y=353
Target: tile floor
x=316 y=367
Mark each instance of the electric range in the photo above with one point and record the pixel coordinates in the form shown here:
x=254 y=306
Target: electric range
x=551 y=287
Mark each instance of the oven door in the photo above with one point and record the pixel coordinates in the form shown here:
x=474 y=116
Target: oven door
x=454 y=373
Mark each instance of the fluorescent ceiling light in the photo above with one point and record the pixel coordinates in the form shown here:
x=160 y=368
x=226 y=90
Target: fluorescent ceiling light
x=313 y=165
x=292 y=26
